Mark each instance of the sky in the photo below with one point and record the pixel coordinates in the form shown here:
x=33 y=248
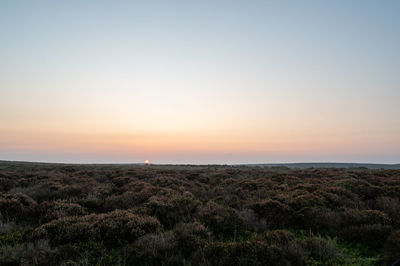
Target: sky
x=200 y=81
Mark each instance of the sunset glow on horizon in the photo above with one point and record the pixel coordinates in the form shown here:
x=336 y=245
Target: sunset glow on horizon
x=200 y=81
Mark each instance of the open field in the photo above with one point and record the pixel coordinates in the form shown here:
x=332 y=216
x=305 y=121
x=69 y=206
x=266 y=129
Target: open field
x=60 y=214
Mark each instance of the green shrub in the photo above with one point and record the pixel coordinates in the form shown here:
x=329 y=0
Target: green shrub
x=36 y=253
x=89 y=253
x=324 y=250
x=392 y=248
x=249 y=252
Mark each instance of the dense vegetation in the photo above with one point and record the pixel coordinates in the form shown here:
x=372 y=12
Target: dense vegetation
x=192 y=215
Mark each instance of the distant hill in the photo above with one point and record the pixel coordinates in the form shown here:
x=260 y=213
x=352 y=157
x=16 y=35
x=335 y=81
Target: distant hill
x=330 y=165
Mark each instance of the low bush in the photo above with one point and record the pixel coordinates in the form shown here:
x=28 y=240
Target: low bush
x=18 y=206
x=392 y=248
x=115 y=227
x=323 y=250
x=249 y=252
x=197 y=215
x=171 y=211
x=276 y=214
x=154 y=249
x=223 y=221
x=60 y=209
x=190 y=237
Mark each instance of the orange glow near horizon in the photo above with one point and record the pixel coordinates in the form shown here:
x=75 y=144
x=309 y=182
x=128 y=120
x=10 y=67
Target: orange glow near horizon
x=273 y=142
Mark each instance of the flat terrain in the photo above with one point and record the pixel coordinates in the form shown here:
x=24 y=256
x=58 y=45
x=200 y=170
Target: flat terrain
x=331 y=165
x=60 y=214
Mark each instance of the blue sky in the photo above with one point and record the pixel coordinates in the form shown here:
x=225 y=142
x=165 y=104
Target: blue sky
x=200 y=81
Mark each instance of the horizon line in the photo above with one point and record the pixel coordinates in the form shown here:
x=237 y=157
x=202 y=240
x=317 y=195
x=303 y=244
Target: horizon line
x=199 y=164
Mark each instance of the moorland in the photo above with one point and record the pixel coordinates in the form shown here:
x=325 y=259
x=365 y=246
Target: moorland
x=68 y=214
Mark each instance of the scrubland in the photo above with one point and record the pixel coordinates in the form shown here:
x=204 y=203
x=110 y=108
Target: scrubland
x=55 y=214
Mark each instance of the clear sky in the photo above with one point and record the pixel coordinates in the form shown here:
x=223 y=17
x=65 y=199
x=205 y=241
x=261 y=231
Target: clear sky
x=200 y=81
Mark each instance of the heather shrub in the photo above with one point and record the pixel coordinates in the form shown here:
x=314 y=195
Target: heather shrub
x=167 y=181
x=188 y=194
x=121 y=181
x=364 y=189
x=36 y=253
x=392 y=248
x=311 y=218
x=154 y=249
x=278 y=237
x=7 y=184
x=252 y=221
x=92 y=202
x=45 y=191
x=126 y=200
x=7 y=227
x=60 y=188
x=276 y=214
x=74 y=191
x=171 y=211
x=197 y=215
x=323 y=250
x=144 y=191
x=17 y=206
x=300 y=199
x=60 y=209
x=370 y=217
x=250 y=252
x=190 y=237
x=348 y=223
x=372 y=235
x=370 y=227
x=287 y=243
x=89 y=253
x=391 y=207
x=117 y=226
x=223 y=221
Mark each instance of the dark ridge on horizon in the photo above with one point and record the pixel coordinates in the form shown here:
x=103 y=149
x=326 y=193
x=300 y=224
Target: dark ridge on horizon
x=330 y=165
x=289 y=165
